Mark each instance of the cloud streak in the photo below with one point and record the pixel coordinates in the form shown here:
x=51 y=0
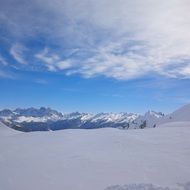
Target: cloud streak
x=3 y=61
x=17 y=52
x=52 y=61
x=6 y=75
x=121 y=39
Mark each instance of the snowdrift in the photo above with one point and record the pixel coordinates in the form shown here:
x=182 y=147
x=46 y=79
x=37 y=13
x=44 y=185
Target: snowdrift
x=98 y=159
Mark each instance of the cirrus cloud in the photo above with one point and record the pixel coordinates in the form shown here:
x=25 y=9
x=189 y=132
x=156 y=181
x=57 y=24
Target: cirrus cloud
x=17 y=52
x=122 y=39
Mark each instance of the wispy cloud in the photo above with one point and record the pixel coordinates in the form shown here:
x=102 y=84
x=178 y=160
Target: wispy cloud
x=53 y=61
x=17 y=51
x=121 y=60
x=7 y=75
x=3 y=61
x=49 y=60
x=113 y=95
x=41 y=81
x=121 y=39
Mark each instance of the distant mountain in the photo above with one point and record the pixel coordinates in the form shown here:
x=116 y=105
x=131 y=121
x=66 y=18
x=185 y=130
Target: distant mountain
x=32 y=112
x=43 y=119
x=148 y=120
x=180 y=117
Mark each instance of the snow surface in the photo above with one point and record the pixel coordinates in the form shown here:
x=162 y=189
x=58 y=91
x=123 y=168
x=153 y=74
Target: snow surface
x=7 y=131
x=176 y=124
x=100 y=159
x=180 y=115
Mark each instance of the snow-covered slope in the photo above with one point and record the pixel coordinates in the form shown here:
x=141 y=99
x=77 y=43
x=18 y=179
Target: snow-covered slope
x=182 y=114
x=100 y=159
x=179 y=117
x=6 y=131
x=176 y=124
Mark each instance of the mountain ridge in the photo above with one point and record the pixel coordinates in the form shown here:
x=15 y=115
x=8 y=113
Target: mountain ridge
x=43 y=119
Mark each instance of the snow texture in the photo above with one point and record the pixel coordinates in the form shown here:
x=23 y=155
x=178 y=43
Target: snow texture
x=99 y=159
x=147 y=187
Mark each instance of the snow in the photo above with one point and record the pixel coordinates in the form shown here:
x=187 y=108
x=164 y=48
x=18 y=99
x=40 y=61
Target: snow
x=23 y=117
x=114 y=117
x=157 y=119
x=30 y=115
x=99 y=159
x=29 y=119
x=86 y=117
x=176 y=124
x=180 y=116
x=7 y=131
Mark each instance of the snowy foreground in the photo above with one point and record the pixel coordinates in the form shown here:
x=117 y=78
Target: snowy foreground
x=100 y=159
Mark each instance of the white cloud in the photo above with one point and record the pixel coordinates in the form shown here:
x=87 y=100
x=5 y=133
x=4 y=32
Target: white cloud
x=17 y=51
x=3 y=61
x=53 y=61
x=49 y=59
x=118 y=61
x=123 y=39
x=65 y=64
x=110 y=65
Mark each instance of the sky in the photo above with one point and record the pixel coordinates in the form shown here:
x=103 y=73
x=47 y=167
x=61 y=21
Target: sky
x=95 y=55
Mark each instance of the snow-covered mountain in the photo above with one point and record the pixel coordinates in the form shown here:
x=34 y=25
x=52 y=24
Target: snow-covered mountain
x=148 y=120
x=41 y=119
x=44 y=119
x=180 y=117
x=30 y=114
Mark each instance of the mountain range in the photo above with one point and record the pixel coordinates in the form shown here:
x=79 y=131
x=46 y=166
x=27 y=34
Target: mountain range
x=44 y=119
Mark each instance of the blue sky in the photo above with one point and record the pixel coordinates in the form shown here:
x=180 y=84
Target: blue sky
x=95 y=56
